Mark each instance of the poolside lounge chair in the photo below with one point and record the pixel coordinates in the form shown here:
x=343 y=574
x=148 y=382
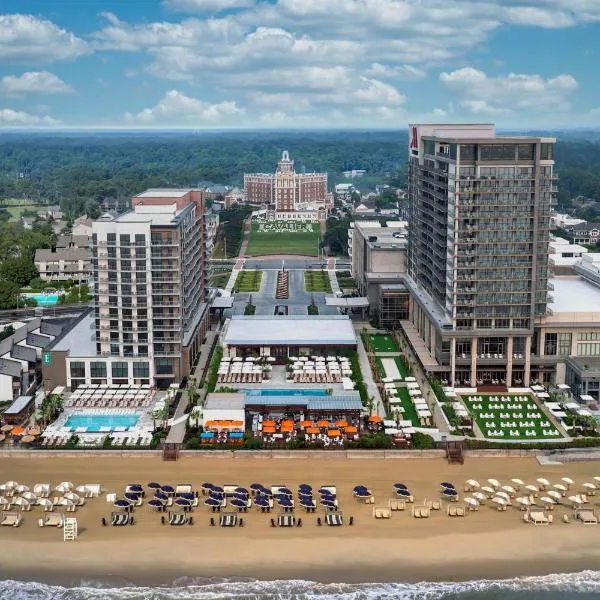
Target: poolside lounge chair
x=52 y=520
x=228 y=519
x=587 y=517
x=286 y=520
x=420 y=512
x=11 y=519
x=382 y=513
x=396 y=504
x=456 y=511
x=334 y=519
x=119 y=519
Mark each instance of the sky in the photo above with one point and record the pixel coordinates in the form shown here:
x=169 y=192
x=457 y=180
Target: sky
x=298 y=63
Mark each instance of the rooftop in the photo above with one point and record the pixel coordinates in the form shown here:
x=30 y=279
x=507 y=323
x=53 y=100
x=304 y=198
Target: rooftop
x=347 y=401
x=574 y=294
x=164 y=214
x=165 y=193
x=78 y=340
x=297 y=330
x=18 y=405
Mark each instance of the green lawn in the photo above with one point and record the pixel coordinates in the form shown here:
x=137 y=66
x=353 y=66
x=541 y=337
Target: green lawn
x=220 y=279
x=283 y=237
x=317 y=281
x=410 y=412
x=487 y=425
x=18 y=207
x=248 y=281
x=383 y=343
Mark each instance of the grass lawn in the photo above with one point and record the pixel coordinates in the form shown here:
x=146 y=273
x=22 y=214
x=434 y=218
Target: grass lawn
x=399 y=363
x=515 y=421
x=220 y=279
x=410 y=412
x=18 y=206
x=281 y=238
x=383 y=343
x=248 y=281
x=317 y=281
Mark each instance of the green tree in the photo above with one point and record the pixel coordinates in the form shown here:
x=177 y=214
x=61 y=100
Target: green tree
x=19 y=270
x=92 y=209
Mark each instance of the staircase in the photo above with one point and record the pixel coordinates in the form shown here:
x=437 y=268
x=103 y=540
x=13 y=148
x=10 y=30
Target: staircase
x=454 y=453
x=282 y=292
x=171 y=452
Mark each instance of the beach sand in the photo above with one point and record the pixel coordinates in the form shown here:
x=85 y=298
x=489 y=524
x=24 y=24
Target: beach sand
x=486 y=544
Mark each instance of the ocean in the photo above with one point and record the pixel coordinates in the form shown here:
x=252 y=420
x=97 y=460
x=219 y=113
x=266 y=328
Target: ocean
x=573 y=586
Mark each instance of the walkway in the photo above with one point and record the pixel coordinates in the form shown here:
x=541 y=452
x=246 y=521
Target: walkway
x=335 y=286
x=365 y=367
x=238 y=267
x=177 y=431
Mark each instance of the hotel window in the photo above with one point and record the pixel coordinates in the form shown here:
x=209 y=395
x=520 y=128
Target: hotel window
x=141 y=369
x=98 y=370
x=564 y=344
x=550 y=344
x=547 y=152
x=590 y=336
x=77 y=370
x=119 y=370
x=588 y=349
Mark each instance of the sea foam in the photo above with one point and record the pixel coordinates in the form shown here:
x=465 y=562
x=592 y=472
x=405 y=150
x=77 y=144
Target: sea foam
x=565 y=586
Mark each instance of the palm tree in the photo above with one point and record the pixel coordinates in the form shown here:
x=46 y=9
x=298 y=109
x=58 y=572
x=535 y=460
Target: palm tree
x=370 y=404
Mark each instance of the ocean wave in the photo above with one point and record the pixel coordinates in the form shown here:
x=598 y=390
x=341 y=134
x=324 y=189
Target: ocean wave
x=563 y=585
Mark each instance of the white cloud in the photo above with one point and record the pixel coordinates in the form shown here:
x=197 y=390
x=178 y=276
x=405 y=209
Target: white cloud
x=34 y=82
x=482 y=94
x=17 y=118
x=205 y=6
x=29 y=39
x=175 y=108
x=408 y=72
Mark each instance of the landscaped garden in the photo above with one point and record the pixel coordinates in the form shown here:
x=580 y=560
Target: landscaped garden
x=284 y=237
x=220 y=279
x=409 y=412
x=317 y=281
x=381 y=343
x=345 y=280
x=402 y=366
x=510 y=417
x=248 y=281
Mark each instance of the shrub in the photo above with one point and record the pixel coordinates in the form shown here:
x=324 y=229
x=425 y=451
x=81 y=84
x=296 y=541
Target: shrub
x=214 y=368
x=422 y=441
x=193 y=444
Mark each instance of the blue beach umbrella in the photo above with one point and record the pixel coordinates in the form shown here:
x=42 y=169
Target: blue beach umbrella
x=156 y=503
x=161 y=495
x=363 y=494
x=328 y=503
x=285 y=491
x=256 y=486
x=305 y=488
x=212 y=502
x=307 y=503
x=135 y=487
x=122 y=504
x=447 y=484
x=308 y=496
x=217 y=488
x=168 y=489
x=261 y=501
x=182 y=502
x=186 y=495
x=238 y=503
x=207 y=486
x=153 y=485
x=131 y=497
x=241 y=490
x=400 y=486
x=403 y=493
x=286 y=502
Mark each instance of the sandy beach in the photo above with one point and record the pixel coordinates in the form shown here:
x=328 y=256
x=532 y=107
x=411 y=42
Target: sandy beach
x=485 y=544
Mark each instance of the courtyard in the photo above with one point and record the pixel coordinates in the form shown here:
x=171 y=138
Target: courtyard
x=283 y=238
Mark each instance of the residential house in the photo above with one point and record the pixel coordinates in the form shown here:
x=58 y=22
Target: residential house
x=63 y=263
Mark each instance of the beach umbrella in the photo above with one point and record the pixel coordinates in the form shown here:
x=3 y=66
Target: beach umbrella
x=494 y=483
x=212 y=502
x=217 y=495
x=447 y=485
x=120 y=503
x=305 y=488
x=305 y=496
x=207 y=486
x=64 y=486
x=567 y=480
x=328 y=502
x=509 y=488
x=168 y=489
x=153 y=485
x=518 y=482
x=590 y=486
x=405 y=493
x=358 y=488
x=400 y=486
x=597 y=479
x=488 y=490
x=499 y=501
x=182 y=502
x=472 y=483
x=131 y=497
x=266 y=492
x=531 y=488
x=44 y=502
x=24 y=504
x=135 y=487
x=156 y=503
x=449 y=492
x=4 y=501
x=472 y=502
x=238 y=503
x=523 y=501
x=161 y=495
x=30 y=497
x=554 y=495
x=72 y=497
x=307 y=503
x=261 y=501
x=542 y=481
x=285 y=492
x=576 y=499
x=218 y=489
x=256 y=487
x=504 y=495
x=363 y=494
x=547 y=500
x=560 y=487
x=21 y=488
x=480 y=497
x=186 y=495
x=241 y=490
x=11 y=485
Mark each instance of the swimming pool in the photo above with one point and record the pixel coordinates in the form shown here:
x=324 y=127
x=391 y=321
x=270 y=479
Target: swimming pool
x=287 y=392
x=43 y=299
x=101 y=422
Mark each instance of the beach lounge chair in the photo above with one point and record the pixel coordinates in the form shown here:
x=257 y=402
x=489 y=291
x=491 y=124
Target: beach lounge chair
x=396 y=504
x=179 y=519
x=286 y=520
x=420 y=512
x=228 y=520
x=537 y=517
x=119 y=519
x=433 y=504
x=52 y=520
x=456 y=511
x=382 y=513
x=11 y=519
x=334 y=519
x=587 y=517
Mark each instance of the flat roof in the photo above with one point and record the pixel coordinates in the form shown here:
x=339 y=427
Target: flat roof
x=20 y=404
x=574 y=294
x=346 y=302
x=78 y=341
x=297 y=330
x=165 y=193
x=350 y=401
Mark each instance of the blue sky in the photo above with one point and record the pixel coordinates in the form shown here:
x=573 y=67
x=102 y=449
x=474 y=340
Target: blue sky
x=298 y=63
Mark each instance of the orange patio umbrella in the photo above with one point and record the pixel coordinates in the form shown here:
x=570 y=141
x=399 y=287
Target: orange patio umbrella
x=351 y=429
x=287 y=428
x=211 y=424
x=287 y=422
x=375 y=419
x=334 y=433
x=322 y=423
x=312 y=430
x=237 y=423
x=306 y=424
x=18 y=431
x=342 y=423
x=268 y=423
x=269 y=429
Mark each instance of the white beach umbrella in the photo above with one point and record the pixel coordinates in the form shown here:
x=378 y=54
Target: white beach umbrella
x=532 y=488
x=542 y=481
x=567 y=480
x=29 y=497
x=560 y=487
x=11 y=485
x=504 y=495
x=472 y=483
x=597 y=479
x=523 y=501
x=481 y=498
x=518 y=482
x=498 y=501
x=577 y=500
x=494 y=483
x=21 y=488
x=554 y=495
x=41 y=489
x=509 y=489
x=590 y=486
x=64 y=486
x=472 y=502
x=46 y=503
x=488 y=490
x=64 y=502
x=72 y=497
x=22 y=503
x=547 y=500
x=4 y=501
